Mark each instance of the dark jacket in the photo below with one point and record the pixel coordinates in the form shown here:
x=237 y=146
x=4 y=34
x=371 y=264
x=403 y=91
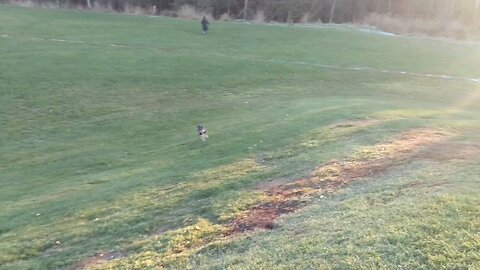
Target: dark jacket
x=205 y=24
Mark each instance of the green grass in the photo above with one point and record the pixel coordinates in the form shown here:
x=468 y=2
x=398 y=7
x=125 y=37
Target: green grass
x=98 y=145
x=417 y=217
x=413 y=216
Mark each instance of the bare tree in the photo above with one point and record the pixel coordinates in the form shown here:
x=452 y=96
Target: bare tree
x=452 y=8
x=245 y=9
x=332 y=10
x=389 y=7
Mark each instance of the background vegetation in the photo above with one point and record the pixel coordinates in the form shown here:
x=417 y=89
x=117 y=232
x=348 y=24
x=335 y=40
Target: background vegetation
x=452 y=18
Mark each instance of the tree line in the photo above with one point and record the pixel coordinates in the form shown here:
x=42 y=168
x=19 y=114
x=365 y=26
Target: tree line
x=334 y=11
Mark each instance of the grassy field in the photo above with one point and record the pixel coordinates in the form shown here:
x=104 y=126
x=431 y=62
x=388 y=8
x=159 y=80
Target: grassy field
x=100 y=160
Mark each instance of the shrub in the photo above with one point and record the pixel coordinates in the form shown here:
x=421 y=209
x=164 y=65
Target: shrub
x=225 y=17
x=30 y=3
x=190 y=12
x=136 y=10
x=259 y=17
x=306 y=18
x=168 y=13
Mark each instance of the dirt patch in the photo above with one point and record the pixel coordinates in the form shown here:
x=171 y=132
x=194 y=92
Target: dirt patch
x=99 y=258
x=368 y=161
x=282 y=199
x=332 y=176
x=318 y=137
x=263 y=216
x=357 y=123
x=405 y=143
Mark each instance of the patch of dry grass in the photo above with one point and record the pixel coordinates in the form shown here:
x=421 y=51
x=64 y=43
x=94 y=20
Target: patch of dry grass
x=225 y=173
x=174 y=246
x=326 y=134
x=406 y=143
x=259 y=210
x=238 y=205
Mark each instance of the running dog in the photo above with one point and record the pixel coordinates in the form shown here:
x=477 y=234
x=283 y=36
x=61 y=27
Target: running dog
x=202 y=132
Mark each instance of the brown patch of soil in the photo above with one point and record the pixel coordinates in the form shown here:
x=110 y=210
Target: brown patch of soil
x=99 y=258
x=360 y=123
x=356 y=123
x=330 y=177
x=262 y=216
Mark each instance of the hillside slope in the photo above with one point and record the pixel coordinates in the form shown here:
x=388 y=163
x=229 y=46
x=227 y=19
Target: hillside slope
x=329 y=148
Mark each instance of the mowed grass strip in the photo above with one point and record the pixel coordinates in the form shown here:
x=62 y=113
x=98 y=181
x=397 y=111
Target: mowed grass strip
x=98 y=146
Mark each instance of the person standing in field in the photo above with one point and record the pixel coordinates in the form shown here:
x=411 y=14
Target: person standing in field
x=205 y=24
